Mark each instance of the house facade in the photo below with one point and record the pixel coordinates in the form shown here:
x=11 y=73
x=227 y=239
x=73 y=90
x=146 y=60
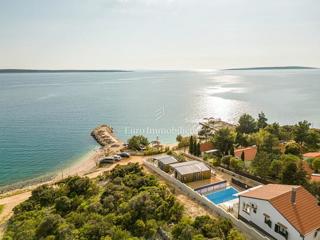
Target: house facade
x=191 y=171
x=248 y=154
x=282 y=212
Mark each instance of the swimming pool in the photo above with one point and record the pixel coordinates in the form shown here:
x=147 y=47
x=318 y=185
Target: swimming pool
x=221 y=196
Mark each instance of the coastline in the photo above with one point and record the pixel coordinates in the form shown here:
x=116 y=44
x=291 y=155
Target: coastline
x=80 y=166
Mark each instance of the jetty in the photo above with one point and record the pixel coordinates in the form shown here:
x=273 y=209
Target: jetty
x=104 y=135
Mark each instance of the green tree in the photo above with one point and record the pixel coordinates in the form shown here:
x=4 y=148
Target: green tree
x=291 y=174
x=275 y=168
x=179 y=138
x=262 y=120
x=235 y=235
x=243 y=157
x=79 y=186
x=274 y=129
x=261 y=164
x=293 y=148
x=265 y=141
x=63 y=205
x=137 y=142
x=236 y=164
x=286 y=158
x=301 y=131
x=226 y=160
x=44 y=195
x=48 y=226
x=195 y=147
x=183 y=230
x=247 y=124
x=184 y=142
x=198 y=149
x=223 y=140
x=191 y=145
x=316 y=164
x=243 y=139
x=312 y=141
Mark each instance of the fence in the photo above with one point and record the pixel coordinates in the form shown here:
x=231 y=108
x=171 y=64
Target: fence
x=243 y=227
x=240 y=184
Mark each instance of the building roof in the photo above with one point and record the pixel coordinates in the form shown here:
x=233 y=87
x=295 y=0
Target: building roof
x=311 y=155
x=166 y=159
x=249 y=153
x=315 y=177
x=304 y=215
x=190 y=167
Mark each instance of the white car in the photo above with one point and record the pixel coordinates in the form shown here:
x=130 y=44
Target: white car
x=117 y=157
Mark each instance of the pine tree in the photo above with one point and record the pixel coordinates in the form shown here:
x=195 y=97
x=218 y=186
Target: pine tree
x=191 y=145
x=198 y=150
x=242 y=156
x=194 y=147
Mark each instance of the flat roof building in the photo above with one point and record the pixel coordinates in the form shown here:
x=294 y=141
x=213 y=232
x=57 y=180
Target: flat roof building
x=165 y=161
x=191 y=171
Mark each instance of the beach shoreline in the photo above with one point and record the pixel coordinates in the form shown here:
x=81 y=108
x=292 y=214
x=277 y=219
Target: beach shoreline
x=80 y=166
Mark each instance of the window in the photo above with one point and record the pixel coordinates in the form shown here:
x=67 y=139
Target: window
x=254 y=207
x=267 y=220
x=281 y=229
x=246 y=208
x=316 y=233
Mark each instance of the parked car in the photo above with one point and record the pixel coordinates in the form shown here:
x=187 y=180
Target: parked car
x=107 y=160
x=117 y=157
x=124 y=154
x=115 y=145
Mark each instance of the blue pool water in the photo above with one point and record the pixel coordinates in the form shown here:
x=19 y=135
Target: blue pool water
x=221 y=196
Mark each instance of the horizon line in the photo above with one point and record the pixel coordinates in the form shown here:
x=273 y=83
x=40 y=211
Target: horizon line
x=12 y=70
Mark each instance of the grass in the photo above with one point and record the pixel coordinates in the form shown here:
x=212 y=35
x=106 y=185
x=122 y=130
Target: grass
x=1 y=208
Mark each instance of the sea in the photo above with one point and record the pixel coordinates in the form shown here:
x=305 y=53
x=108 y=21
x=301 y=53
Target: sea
x=46 y=118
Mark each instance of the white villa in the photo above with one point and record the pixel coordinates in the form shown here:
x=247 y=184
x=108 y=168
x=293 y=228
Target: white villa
x=281 y=211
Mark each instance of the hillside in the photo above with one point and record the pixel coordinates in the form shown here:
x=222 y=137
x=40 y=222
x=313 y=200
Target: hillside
x=125 y=203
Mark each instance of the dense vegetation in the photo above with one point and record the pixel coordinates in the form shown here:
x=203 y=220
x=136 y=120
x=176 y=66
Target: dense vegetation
x=194 y=146
x=279 y=149
x=138 y=142
x=141 y=144
x=122 y=204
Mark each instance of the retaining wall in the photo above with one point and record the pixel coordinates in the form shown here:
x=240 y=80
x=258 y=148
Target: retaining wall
x=243 y=227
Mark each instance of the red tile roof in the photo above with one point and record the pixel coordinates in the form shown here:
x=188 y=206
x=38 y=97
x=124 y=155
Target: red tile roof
x=249 y=153
x=315 y=178
x=304 y=215
x=311 y=155
x=206 y=146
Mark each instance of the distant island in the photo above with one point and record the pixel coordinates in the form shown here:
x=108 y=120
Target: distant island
x=272 y=68
x=56 y=71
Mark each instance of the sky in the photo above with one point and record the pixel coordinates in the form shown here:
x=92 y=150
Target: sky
x=158 y=34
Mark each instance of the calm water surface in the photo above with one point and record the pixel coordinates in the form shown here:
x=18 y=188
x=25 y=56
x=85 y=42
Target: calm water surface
x=46 y=118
